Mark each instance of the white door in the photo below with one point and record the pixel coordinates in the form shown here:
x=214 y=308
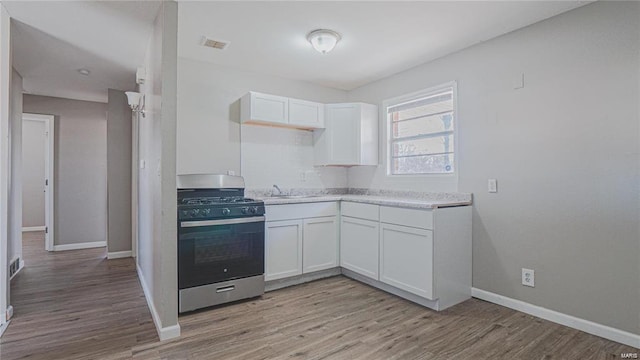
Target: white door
x=406 y=259
x=46 y=183
x=344 y=137
x=283 y=249
x=320 y=244
x=359 y=246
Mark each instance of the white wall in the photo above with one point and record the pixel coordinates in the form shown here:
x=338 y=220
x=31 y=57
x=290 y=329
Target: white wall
x=33 y=173
x=5 y=101
x=283 y=157
x=119 y=146
x=80 y=170
x=15 y=161
x=565 y=151
x=211 y=139
x=157 y=212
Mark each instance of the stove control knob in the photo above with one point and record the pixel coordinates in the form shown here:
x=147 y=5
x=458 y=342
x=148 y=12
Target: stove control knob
x=244 y=210
x=184 y=213
x=195 y=212
x=206 y=212
x=226 y=211
x=253 y=209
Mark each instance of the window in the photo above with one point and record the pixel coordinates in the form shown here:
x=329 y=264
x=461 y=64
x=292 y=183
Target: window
x=421 y=132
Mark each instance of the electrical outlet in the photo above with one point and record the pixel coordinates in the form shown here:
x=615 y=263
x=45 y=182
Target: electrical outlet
x=493 y=185
x=528 y=277
x=231 y=172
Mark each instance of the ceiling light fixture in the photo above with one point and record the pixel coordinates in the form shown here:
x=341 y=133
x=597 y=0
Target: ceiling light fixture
x=84 y=72
x=323 y=40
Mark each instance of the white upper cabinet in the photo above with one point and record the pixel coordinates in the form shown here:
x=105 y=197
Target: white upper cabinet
x=350 y=136
x=306 y=114
x=264 y=108
x=281 y=111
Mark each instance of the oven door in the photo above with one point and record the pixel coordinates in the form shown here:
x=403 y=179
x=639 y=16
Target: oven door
x=211 y=251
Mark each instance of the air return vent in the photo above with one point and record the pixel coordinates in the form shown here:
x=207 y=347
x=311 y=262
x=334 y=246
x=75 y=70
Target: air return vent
x=212 y=43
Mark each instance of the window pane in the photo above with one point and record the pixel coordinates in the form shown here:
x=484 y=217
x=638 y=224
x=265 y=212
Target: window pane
x=427 y=164
x=423 y=125
x=444 y=104
x=421 y=133
x=424 y=146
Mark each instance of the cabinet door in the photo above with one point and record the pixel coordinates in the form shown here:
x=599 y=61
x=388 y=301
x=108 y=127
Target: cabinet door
x=283 y=249
x=269 y=108
x=406 y=259
x=306 y=114
x=343 y=141
x=359 y=246
x=320 y=244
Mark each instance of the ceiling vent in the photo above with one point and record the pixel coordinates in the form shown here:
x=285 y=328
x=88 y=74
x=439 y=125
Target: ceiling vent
x=216 y=44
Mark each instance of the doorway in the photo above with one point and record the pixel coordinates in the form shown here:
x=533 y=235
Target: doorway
x=38 y=171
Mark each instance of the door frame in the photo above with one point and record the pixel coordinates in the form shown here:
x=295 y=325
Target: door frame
x=135 y=176
x=49 y=166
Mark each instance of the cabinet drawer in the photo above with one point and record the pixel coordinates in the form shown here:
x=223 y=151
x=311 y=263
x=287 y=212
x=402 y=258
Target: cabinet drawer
x=417 y=218
x=301 y=211
x=359 y=210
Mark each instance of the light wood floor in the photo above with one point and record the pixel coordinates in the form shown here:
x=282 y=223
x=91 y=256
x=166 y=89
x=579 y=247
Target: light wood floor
x=77 y=305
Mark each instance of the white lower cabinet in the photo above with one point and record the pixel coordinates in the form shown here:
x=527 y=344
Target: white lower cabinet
x=423 y=255
x=300 y=238
x=359 y=246
x=320 y=244
x=406 y=259
x=283 y=249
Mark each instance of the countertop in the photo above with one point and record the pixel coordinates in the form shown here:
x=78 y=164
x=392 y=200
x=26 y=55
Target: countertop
x=450 y=199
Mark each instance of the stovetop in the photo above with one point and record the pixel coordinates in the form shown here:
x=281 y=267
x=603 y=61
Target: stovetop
x=217 y=200
x=218 y=207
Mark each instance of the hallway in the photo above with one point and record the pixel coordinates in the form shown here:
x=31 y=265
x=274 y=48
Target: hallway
x=75 y=305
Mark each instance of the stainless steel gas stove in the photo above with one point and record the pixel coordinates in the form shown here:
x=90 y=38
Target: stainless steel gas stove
x=220 y=241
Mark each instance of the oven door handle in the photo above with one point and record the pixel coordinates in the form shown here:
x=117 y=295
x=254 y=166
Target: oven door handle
x=187 y=224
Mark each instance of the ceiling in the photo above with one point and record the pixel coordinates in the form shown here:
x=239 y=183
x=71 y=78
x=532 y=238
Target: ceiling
x=53 y=39
x=378 y=38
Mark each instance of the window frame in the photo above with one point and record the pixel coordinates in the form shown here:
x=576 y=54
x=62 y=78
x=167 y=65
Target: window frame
x=453 y=85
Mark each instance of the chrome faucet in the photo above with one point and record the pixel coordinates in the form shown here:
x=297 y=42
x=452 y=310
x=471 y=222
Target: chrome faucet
x=275 y=187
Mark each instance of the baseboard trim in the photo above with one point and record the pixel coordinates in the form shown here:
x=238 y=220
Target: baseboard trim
x=118 y=254
x=164 y=333
x=3 y=327
x=272 y=285
x=587 y=326
x=33 y=228
x=79 y=246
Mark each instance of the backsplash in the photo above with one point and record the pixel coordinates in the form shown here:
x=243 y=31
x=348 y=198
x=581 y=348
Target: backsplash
x=418 y=195
x=434 y=196
x=262 y=193
x=282 y=156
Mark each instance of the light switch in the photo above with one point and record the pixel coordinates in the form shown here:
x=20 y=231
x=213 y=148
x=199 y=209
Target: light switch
x=493 y=185
x=518 y=81
x=143 y=164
